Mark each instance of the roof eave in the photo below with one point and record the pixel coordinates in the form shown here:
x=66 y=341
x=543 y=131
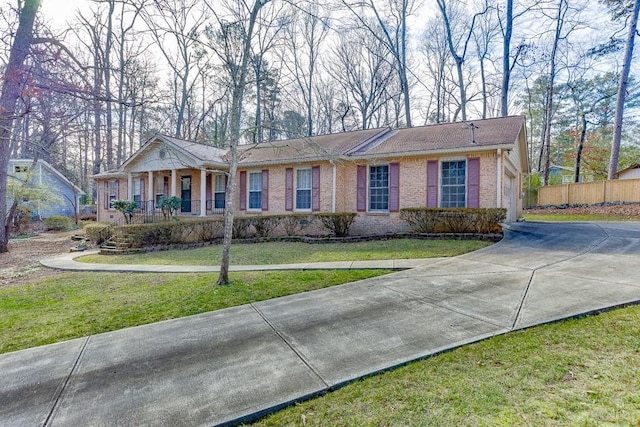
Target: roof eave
x=437 y=152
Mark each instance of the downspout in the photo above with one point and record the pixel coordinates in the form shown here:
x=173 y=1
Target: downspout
x=333 y=189
x=499 y=179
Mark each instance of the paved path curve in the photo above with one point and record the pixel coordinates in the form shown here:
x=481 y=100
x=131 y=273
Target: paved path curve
x=236 y=364
x=67 y=262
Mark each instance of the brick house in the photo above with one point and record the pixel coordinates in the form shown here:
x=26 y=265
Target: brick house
x=373 y=172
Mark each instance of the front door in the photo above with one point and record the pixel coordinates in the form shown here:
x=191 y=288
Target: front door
x=185 y=193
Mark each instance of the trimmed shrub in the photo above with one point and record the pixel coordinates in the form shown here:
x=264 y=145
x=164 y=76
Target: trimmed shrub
x=209 y=230
x=293 y=223
x=169 y=233
x=87 y=217
x=240 y=227
x=453 y=220
x=126 y=208
x=58 y=223
x=169 y=206
x=98 y=232
x=338 y=224
x=421 y=220
x=265 y=225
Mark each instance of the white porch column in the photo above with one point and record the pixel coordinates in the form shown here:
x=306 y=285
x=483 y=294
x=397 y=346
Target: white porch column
x=150 y=195
x=174 y=182
x=129 y=186
x=203 y=192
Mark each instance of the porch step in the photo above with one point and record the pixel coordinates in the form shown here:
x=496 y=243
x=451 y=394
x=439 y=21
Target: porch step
x=118 y=245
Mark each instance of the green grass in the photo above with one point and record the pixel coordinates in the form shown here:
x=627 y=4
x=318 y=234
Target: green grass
x=71 y=305
x=580 y=372
x=281 y=252
x=574 y=217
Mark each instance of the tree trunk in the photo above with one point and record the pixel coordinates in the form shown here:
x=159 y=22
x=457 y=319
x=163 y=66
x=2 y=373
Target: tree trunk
x=506 y=66
x=622 y=92
x=583 y=137
x=13 y=82
x=107 y=85
x=562 y=7
x=236 y=113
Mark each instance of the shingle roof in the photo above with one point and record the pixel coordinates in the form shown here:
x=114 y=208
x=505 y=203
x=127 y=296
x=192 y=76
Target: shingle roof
x=437 y=138
x=450 y=137
x=305 y=149
x=370 y=143
x=203 y=152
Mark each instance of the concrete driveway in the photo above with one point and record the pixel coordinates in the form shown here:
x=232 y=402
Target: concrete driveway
x=236 y=364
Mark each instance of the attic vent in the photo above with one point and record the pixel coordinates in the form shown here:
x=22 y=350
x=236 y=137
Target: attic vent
x=374 y=141
x=162 y=154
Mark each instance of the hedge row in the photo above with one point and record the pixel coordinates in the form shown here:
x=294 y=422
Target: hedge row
x=419 y=220
x=205 y=230
x=453 y=220
x=169 y=232
x=336 y=224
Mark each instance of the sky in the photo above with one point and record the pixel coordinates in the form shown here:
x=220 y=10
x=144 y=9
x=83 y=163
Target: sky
x=61 y=11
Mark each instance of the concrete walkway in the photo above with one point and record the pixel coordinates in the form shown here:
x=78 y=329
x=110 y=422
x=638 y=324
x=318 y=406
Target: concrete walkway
x=67 y=262
x=236 y=364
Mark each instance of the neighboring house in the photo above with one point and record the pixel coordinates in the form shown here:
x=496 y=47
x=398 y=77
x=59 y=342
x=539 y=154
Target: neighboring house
x=373 y=172
x=42 y=175
x=632 y=172
x=567 y=175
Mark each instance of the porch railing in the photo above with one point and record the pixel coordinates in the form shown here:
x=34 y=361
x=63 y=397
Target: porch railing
x=149 y=212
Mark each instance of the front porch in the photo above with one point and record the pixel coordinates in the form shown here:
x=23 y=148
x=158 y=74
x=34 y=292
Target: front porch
x=147 y=190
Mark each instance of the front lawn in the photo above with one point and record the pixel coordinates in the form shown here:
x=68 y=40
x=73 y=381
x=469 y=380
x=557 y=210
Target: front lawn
x=579 y=372
x=72 y=305
x=294 y=252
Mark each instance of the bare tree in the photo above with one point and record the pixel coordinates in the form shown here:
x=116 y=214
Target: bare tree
x=239 y=71
x=434 y=47
x=177 y=27
x=484 y=35
x=273 y=23
x=306 y=32
x=392 y=32
x=561 y=13
x=364 y=73
x=13 y=82
x=510 y=60
x=459 y=49
x=622 y=90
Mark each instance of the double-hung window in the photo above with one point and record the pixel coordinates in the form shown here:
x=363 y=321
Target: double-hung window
x=137 y=192
x=218 y=191
x=113 y=192
x=255 y=190
x=303 y=189
x=379 y=188
x=453 y=184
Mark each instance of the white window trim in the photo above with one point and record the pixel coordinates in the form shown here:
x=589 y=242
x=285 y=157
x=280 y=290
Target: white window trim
x=466 y=177
x=112 y=183
x=222 y=178
x=295 y=190
x=249 y=173
x=368 y=200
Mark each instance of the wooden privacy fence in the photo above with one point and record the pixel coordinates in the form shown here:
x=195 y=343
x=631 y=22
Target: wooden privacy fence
x=589 y=193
